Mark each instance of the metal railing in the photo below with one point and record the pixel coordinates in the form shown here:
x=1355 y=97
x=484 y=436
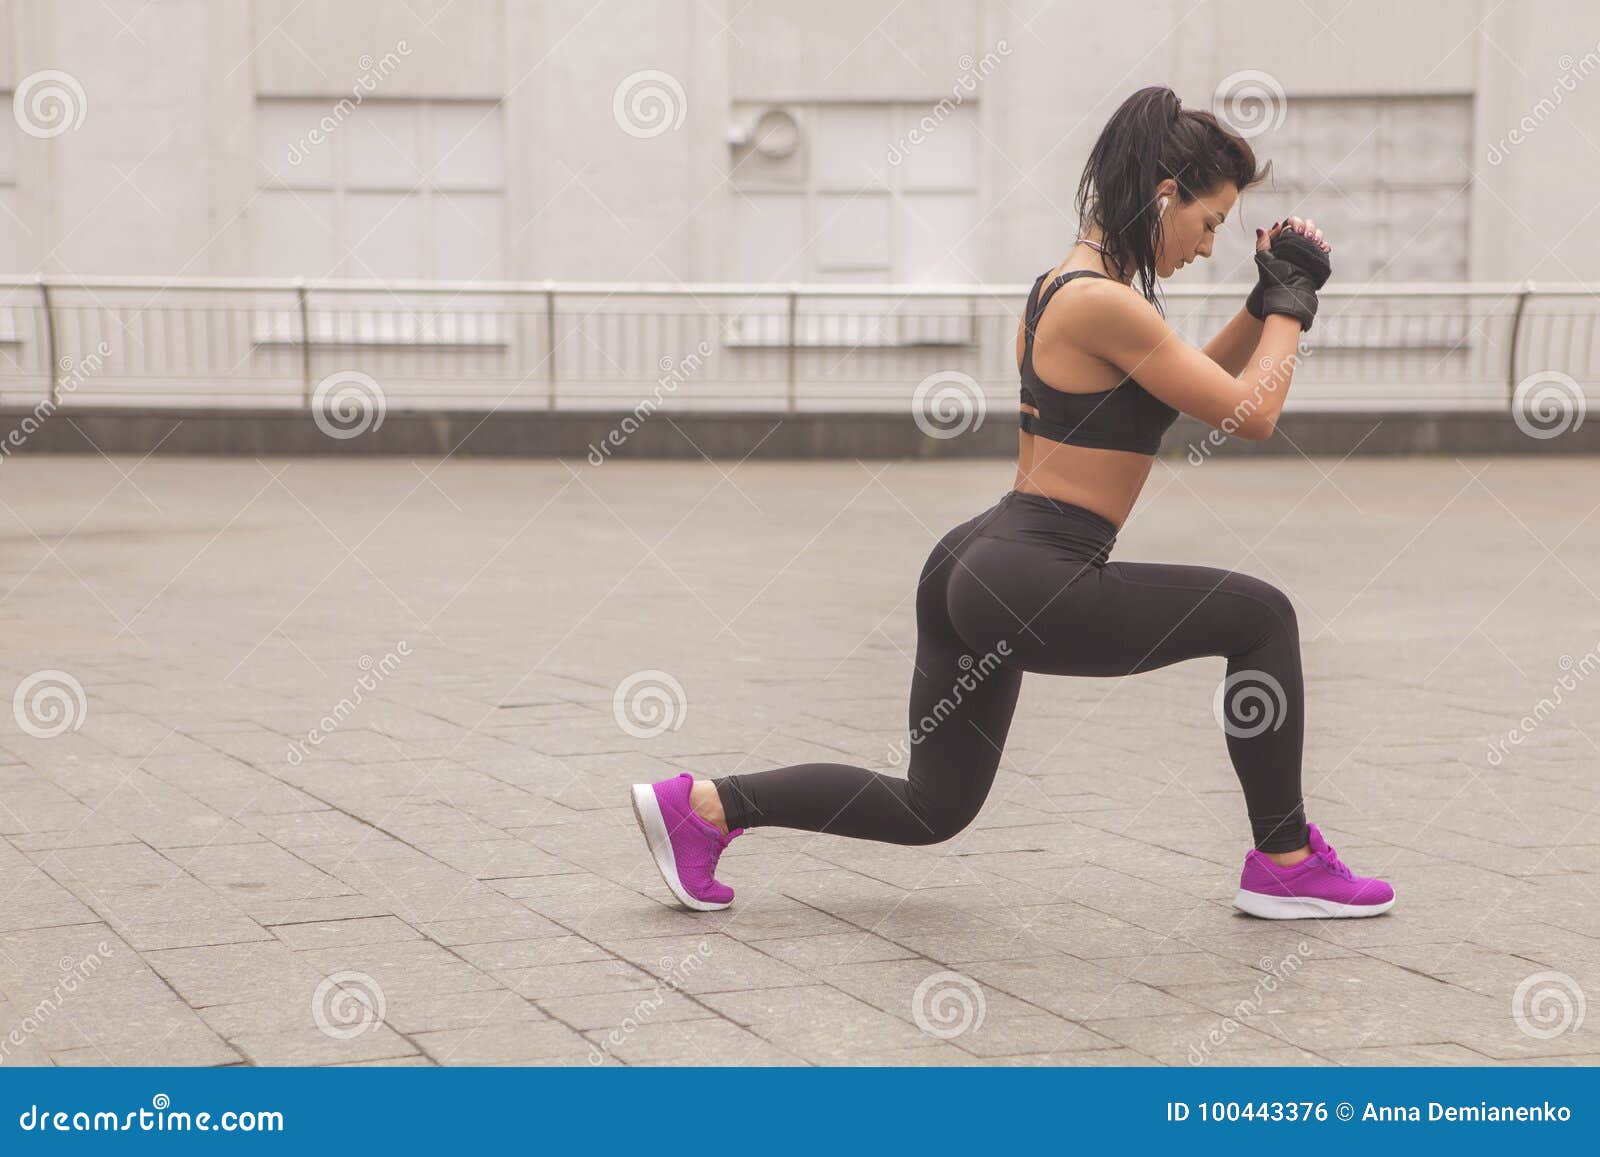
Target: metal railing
x=152 y=342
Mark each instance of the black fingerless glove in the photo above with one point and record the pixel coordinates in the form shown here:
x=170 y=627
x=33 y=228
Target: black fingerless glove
x=1291 y=272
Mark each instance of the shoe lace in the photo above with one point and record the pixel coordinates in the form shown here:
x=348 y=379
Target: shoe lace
x=1331 y=858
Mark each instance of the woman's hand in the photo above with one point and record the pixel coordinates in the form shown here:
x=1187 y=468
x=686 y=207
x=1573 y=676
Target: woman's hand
x=1305 y=231
x=1306 y=227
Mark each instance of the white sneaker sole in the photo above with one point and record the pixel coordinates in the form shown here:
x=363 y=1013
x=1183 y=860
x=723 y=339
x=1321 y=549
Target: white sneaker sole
x=654 y=826
x=1302 y=907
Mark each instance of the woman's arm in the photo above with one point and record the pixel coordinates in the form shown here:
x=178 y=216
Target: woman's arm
x=1235 y=342
x=1119 y=325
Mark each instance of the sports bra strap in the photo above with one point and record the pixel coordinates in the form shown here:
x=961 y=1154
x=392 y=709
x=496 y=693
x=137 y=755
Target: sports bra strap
x=1036 y=307
x=1069 y=275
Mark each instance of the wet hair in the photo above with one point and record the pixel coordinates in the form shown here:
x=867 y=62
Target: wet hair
x=1149 y=138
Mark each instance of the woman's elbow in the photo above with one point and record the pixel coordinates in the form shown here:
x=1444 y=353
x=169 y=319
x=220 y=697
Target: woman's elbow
x=1254 y=417
x=1250 y=427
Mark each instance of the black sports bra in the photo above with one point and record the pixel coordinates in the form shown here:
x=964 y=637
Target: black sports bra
x=1125 y=417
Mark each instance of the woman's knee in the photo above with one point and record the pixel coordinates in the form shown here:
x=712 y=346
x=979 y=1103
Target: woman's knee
x=946 y=824
x=941 y=819
x=1272 y=610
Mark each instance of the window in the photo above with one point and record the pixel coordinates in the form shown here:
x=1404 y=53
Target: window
x=872 y=192
x=390 y=189
x=1387 y=178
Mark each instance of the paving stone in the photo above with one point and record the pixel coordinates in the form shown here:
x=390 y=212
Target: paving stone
x=446 y=1010
x=709 y=963
x=287 y=1009
x=196 y=1045
x=510 y=1043
x=1075 y=989
x=193 y=932
x=1431 y=1055
x=578 y=979
x=521 y=925
x=818 y=1023
x=227 y=973
x=464 y=838
x=352 y=906
x=1122 y=1057
x=1189 y=1038
x=310 y=1046
x=499 y=956
x=693 y=1042
x=610 y=1010
x=402 y=968
x=903 y=988
x=344 y=933
x=1028 y=1035
x=827 y=950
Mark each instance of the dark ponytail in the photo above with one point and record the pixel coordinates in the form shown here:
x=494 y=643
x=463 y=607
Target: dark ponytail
x=1150 y=138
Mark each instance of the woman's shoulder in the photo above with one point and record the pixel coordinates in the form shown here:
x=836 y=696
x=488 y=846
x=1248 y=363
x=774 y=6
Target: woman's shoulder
x=1095 y=302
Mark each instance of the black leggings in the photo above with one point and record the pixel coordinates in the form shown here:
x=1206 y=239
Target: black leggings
x=1026 y=586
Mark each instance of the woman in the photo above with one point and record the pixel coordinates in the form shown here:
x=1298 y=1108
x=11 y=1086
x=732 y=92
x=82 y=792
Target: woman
x=1028 y=585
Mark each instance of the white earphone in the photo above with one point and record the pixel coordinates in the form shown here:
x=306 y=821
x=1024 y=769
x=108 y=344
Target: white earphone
x=1161 y=205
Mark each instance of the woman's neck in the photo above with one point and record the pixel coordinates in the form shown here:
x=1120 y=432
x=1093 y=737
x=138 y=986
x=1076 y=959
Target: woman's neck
x=1088 y=253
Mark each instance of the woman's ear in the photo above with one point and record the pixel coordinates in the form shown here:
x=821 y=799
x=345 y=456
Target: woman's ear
x=1164 y=193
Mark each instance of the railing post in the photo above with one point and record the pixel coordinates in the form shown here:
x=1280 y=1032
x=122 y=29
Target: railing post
x=301 y=297
x=1516 y=341
x=53 y=384
x=550 y=340
x=794 y=347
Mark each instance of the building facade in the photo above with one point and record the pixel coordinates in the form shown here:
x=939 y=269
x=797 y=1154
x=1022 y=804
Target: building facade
x=712 y=140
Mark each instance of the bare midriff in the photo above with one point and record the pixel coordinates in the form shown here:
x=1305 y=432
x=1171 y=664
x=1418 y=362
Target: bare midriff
x=1107 y=482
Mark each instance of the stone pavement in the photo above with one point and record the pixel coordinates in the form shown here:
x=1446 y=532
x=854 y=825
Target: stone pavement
x=323 y=762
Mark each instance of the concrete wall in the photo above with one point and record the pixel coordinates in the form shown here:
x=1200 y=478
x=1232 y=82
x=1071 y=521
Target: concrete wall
x=161 y=174
x=598 y=437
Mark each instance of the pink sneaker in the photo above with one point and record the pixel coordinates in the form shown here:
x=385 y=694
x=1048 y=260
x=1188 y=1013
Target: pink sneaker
x=685 y=846
x=1317 y=886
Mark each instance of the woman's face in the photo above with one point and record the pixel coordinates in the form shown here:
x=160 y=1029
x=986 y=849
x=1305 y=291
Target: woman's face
x=1187 y=230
